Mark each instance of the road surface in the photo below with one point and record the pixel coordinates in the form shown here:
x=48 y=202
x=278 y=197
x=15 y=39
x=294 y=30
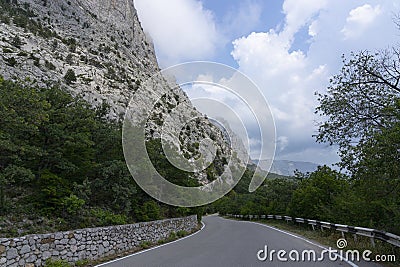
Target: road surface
x=224 y=242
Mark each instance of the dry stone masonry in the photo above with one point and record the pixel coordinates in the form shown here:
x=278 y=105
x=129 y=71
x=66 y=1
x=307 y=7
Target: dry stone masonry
x=90 y=243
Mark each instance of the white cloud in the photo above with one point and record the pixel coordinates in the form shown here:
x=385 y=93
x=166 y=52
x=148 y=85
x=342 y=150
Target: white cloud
x=282 y=142
x=287 y=80
x=360 y=19
x=313 y=29
x=268 y=52
x=181 y=29
x=300 y=12
x=288 y=77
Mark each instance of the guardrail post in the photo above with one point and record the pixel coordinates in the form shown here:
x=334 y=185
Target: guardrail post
x=373 y=241
x=313 y=228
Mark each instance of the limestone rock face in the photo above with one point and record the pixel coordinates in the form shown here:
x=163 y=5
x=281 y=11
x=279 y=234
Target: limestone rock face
x=98 y=50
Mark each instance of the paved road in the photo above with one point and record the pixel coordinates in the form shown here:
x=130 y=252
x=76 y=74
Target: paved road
x=225 y=242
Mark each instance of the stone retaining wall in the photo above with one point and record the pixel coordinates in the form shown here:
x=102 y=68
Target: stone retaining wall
x=90 y=243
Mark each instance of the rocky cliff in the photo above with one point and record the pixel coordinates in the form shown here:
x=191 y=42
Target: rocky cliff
x=97 y=50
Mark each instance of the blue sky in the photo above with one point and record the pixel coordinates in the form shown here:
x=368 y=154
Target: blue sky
x=240 y=18
x=289 y=48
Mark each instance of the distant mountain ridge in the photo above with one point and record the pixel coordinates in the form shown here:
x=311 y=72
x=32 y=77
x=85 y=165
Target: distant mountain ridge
x=287 y=167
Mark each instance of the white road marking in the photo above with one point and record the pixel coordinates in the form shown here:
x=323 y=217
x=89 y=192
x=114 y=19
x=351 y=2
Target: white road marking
x=303 y=239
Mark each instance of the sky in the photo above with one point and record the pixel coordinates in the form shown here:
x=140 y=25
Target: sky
x=288 y=48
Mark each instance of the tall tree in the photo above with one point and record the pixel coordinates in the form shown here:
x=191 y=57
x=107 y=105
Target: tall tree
x=362 y=112
x=360 y=101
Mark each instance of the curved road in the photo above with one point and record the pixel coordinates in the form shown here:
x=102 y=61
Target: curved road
x=225 y=242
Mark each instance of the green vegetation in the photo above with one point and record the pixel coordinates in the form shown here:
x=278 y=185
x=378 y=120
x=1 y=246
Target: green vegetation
x=181 y=233
x=272 y=197
x=56 y=263
x=70 y=76
x=362 y=107
x=49 y=65
x=145 y=244
x=21 y=15
x=62 y=165
x=325 y=194
x=362 y=112
x=165 y=168
x=10 y=61
x=329 y=237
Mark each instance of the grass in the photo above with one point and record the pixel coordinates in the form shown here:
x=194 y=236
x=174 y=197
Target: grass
x=328 y=238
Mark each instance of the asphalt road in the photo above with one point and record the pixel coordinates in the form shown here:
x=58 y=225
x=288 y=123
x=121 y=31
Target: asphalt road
x=224 y=242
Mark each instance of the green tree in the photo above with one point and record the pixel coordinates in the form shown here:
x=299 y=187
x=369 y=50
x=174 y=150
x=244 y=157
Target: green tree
x=359 y=103
x=62 y=159
x=362 y=111
x=22 y=111
x=377 y=179
x=165 y=168
x=51 y=191
x=317 y=193
x=70 y=76
x=72 y=204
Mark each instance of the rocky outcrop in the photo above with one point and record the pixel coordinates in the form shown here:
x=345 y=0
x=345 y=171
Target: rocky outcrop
x=98 y=50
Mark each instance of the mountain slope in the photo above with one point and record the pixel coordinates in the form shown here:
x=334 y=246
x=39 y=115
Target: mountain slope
x=97 y=50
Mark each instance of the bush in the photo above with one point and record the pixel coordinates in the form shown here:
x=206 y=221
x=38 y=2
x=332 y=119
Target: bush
x=70 y=76
x=56 y=263
x=82 y=263
x=106 y=218
x=172 y=236
x=181 y=233
x=145 y=244
x=49 y=65
x=10 y=61
x=73 y=204
x=16 y=41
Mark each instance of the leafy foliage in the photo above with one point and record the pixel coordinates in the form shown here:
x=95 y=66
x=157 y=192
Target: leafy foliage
x=362 y=112
x=165 y=168
x=317 y=194
x=62 y=159
x=22 y=16
x=70 y=76
x=360 y=102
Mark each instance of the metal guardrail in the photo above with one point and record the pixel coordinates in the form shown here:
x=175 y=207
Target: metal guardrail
x=367 y=232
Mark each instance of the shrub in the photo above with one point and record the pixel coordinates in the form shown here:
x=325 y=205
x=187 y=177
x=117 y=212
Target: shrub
x=106 y=217
x=70 y=76
x=145 y=244
x=56 y=263
x=49 y=65
x=73 y=204
x=17 y=42
x=10 y=61
x=181 y=233
x=7 y=50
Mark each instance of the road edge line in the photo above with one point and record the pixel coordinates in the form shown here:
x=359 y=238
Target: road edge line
x=303 y=239
x=152 y=248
